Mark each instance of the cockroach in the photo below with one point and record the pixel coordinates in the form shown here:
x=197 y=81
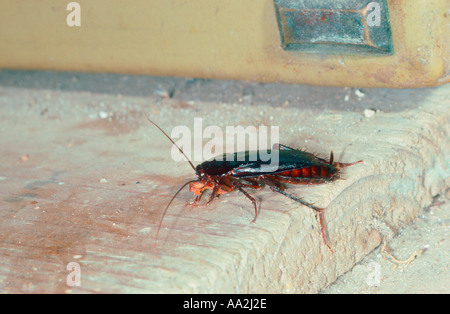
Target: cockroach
x=224 y=175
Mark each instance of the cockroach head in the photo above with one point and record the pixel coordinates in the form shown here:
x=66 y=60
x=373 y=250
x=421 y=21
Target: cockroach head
x=201 y=174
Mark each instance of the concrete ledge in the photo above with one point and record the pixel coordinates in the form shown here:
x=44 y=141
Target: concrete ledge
x=84 y=178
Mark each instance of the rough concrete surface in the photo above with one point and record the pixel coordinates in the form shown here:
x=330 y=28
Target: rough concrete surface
x=424 y=243
x=84 y=178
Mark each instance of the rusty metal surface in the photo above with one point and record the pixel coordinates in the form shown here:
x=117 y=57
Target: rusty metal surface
x=335 y=27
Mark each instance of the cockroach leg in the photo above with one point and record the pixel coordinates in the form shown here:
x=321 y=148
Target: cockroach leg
x=322 y=231
x=276 y=189
x=213 y=194
x=272 y=181
x=318 y=210
x=196 y=201
x=238 y=186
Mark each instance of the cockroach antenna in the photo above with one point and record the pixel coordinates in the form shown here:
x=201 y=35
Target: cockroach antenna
x=179 y=190
x=181 y=151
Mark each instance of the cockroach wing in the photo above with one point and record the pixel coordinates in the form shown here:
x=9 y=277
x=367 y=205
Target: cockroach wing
x=253 y=163
x=287 y=160
x=224 y=164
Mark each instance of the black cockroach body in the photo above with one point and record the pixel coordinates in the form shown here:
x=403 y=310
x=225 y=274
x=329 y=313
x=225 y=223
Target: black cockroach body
x=224 y=175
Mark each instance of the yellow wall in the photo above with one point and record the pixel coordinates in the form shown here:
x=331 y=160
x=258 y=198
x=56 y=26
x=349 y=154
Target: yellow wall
x=231 y=39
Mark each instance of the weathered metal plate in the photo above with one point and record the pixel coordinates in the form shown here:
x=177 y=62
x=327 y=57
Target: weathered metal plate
x=344 y=26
